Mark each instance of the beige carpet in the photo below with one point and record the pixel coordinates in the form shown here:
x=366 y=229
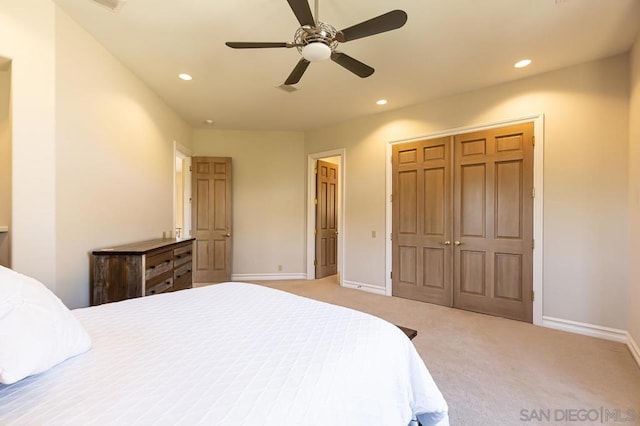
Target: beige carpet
x=491 y=369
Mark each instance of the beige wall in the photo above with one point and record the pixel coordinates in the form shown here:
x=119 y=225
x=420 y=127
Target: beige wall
x=585 y=179
x=114 y=157
x=268 y=197
x=27 y=38
x=634 y=195
x=5 y=162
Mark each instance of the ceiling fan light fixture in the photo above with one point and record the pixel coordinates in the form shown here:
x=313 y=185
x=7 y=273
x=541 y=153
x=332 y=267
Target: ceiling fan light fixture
x=316 y=52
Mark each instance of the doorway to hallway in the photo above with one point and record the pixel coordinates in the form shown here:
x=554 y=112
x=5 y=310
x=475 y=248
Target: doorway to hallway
x=325 y=214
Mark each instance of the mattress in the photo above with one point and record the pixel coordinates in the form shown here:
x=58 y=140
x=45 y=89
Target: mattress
x=231 y=354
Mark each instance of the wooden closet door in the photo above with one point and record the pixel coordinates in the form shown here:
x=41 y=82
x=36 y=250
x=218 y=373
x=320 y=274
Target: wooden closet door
x=422 y=221
x=493 y=229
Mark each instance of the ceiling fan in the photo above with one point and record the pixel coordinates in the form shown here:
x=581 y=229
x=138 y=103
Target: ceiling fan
x=318 y=41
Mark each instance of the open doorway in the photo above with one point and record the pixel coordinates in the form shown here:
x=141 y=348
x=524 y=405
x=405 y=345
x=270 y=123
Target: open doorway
x=327 y=172
x=5 y=162
x=182 y=192
x=321 y=230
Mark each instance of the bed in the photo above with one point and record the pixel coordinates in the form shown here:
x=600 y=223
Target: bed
x=231 y=354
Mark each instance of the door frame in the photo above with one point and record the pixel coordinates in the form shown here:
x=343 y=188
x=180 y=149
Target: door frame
x=538 y=183
x=311 y=210
x=180 y=151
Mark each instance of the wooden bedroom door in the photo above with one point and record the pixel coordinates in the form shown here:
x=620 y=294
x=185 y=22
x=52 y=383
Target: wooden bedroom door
x=462 y=221
x=211 y=218
x=326 y=219
x=422 y=221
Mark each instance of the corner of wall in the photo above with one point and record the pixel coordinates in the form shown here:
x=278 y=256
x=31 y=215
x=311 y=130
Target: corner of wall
x=27 y=34
x=5 y=167
x=633 y=326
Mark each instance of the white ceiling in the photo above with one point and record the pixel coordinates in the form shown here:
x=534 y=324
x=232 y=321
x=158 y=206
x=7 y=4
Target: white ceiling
x=446 y=47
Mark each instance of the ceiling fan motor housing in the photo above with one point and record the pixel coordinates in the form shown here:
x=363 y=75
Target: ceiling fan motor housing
x=310 y=41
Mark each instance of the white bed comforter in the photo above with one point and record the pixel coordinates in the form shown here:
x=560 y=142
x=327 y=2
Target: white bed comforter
x=231 y=354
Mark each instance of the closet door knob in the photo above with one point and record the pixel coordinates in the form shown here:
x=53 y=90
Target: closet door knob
x=458 y=243
x=446 y=243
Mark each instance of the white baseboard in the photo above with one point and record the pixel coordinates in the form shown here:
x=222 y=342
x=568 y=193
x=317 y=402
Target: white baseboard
x=633 y=348
x=268 y=277
x=586 y=329
x=365 y=287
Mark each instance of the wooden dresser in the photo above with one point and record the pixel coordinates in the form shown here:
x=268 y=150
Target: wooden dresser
x=141 y=269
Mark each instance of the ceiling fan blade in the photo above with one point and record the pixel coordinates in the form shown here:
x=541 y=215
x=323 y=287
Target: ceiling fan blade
x=297 y=72
x=249 y=45
x=302 y=11
x=380 y=24
x=353 y=65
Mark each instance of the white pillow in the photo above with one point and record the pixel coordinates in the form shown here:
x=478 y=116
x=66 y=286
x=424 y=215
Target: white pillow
x=37 y=331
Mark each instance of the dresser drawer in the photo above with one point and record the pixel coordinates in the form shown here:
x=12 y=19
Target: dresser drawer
x=181 y=259
x=182 y=277
x=187 y=248
x=184 y=282
x=158 y=264
x=182 y=255
x=159 y=284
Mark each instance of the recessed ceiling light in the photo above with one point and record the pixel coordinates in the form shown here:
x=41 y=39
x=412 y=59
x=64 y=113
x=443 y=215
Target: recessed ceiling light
x=523 y=63
x=208 y=121
x=381 y=102
x=185 y=77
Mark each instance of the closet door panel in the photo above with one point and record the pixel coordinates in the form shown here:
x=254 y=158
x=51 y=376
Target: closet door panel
x=422 y=219
x=493 y=227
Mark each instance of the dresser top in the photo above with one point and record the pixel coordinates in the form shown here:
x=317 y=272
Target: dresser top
x=141 y=247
